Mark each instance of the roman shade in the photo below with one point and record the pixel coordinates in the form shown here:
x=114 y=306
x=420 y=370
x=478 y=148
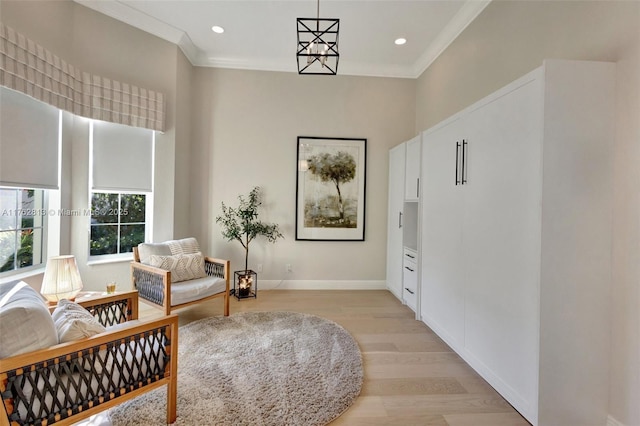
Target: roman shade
x=31 y=69
x=122 y=158
x=28 y=142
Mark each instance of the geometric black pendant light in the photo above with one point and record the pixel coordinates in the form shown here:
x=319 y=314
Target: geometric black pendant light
x=317 y=51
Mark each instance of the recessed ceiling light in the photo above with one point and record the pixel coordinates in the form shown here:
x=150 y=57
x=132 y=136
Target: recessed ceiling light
x=400 y=41
x=216 y=29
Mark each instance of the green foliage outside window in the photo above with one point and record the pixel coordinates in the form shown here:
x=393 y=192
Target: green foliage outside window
x=21 y=225
x=117 y=222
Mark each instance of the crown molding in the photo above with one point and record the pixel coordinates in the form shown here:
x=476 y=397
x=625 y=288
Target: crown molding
x=146 y=23
x=349 y=69
x=467 y=13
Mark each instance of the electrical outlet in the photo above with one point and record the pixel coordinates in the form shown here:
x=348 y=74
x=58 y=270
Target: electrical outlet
x=288 y=267
x=259 y=267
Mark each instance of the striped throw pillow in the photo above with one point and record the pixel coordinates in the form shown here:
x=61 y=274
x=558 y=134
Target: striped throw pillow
x=184 y=246
x=183 y=267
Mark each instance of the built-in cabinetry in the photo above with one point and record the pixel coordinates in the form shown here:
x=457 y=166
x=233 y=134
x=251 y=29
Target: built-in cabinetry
x=402 y=226
x=394 y=219
x=412 y=173
x=515 y=257
x=410 y=278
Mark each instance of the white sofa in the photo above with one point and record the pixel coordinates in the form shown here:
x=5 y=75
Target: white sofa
x=82 y=359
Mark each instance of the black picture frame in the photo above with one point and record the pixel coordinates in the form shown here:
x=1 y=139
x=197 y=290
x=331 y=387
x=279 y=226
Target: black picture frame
x=331 y=178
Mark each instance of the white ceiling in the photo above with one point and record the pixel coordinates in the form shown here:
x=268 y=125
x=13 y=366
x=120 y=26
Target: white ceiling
x=261 y=34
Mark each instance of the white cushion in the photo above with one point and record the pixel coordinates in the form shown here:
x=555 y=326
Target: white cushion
x=146 y=250
x=63 y=306
x=73 y=322
x=123 y=325
x=25 y=322
x=184 y=246
x=183 y=267
x=188 y=291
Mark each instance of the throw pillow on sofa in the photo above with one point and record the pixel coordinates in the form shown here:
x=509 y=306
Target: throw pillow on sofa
x=73 y=322
x=25 y=322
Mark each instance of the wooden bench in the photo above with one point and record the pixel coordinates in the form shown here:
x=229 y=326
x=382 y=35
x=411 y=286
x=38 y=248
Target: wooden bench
x=69 y=382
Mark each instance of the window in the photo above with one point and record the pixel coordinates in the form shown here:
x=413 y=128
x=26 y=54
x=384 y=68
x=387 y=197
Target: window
x=23 y=220
x=117 y=222
x=120 y=188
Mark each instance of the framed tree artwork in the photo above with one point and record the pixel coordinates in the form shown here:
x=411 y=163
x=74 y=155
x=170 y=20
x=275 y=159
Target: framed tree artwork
x=330 y=189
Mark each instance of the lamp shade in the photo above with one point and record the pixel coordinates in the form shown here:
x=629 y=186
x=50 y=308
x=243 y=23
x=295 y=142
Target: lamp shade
x=61 y=279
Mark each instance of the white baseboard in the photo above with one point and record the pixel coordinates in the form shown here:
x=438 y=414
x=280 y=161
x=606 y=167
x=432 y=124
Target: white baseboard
x=398 y=295
x=321 y=285
x=611 y=421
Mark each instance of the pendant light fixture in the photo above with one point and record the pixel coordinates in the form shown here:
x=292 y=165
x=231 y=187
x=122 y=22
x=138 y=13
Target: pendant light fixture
x=317 y=51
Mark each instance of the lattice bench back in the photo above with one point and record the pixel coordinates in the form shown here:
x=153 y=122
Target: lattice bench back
x=46 y=392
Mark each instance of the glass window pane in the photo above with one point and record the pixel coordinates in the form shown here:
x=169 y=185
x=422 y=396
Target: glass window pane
x=26 y=204
x=8 y=207
x=37 y=246
x=24 y=255
x=132 y=208
x=104 y=208
x=130 y=236
x=104 y=239
x=32 y=208
x=7 y=250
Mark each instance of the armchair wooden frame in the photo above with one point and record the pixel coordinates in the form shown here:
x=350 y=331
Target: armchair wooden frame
x=73 y=380
x=154 y=284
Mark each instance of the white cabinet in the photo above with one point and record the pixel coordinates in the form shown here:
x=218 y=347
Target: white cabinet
x=412 y=173
x=402 y=227
x=442 y=281
x=410 y=278
x=516 y=232
x=395 y=219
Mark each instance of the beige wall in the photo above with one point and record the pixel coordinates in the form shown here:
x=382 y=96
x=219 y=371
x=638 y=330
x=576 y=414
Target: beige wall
x=183 y=178
x=246 y=135
x=511 y=38
x=96 y=43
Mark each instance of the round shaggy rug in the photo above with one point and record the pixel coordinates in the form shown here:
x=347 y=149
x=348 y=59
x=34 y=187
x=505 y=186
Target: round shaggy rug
x=257 y=368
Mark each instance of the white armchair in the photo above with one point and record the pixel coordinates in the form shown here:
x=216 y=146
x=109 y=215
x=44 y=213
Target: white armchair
x=174 y=274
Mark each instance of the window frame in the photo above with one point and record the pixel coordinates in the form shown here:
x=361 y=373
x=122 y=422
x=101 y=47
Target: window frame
x=93 y=258
x=149 y=203
x=43 y=212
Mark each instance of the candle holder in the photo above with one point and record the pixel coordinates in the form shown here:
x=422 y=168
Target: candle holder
x=245 y=284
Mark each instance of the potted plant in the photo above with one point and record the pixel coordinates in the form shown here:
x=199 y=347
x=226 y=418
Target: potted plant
x=242 y=224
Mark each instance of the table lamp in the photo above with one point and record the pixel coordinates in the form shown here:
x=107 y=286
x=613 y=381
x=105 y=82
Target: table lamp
x=61 y=279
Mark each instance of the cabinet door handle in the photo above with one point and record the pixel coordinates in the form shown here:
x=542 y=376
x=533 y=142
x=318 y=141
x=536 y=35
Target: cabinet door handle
x=410 y=255
x=464 y=148
x=417 y=187
x=457 y=155
x=409 y=290
x=406 y=267
x=399 y=219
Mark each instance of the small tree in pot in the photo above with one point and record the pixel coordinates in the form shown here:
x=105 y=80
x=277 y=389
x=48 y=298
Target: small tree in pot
x=242 y=224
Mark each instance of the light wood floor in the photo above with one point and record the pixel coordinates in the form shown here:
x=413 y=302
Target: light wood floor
x=411 y=376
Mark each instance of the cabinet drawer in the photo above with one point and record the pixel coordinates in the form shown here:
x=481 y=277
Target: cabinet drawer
x=409 y=255
x=411 y=300
x=410 y=279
